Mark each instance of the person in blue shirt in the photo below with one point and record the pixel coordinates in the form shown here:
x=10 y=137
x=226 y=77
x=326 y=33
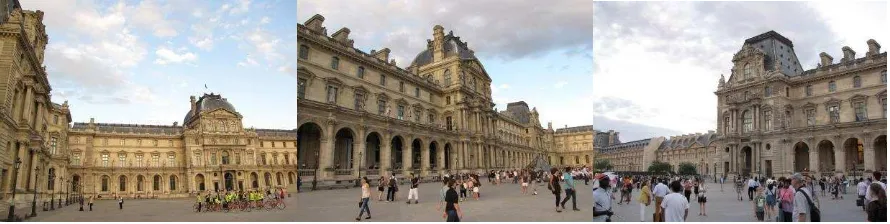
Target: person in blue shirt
x=569 y=186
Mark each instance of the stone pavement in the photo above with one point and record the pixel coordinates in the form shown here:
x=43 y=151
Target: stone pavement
x=160 y=210
x=504 y=203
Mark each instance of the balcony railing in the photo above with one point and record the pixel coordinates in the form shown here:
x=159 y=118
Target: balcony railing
x=306 y=172
x=343 y=172
x=372 y=172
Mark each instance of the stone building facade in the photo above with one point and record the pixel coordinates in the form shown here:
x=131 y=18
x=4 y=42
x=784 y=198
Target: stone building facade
x=210 y=151
x=636 y=156
x=571 y=146
x=774 y=118
x=360 y=114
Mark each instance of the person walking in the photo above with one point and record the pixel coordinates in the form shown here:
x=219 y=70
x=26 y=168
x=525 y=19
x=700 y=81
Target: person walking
x=554 y=187
x=675 y=205
x=391 y=190
x=442 y=193
x=91 y=203
x=412 y=193
x=877 y=209
x=759 y=204
x=120 y=202
x=602 y=202
x=861 y=189
x=702 y=199
x=452 y=211
x=802 y=199
x=687 y=190
x=570 y=189
x=364 y=200
x=660 y=191
x=381 y=185
x=770 y=196
x=786 y=200
x=868 y=194
x=645 y=199
x=752 y=186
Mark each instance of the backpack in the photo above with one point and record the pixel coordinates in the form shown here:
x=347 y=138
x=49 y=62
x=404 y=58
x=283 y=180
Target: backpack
x=815 y=215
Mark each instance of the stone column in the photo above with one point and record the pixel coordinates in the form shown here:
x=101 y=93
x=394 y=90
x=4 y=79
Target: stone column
x=385 y=153
x=814 y=160
x=407 y=162
x=840 y=160
x=868 y=153
x=358 y=152
x=326 y=156
x=424 y=160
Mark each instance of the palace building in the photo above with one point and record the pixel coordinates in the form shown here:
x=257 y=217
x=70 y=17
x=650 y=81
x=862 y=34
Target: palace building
x=775 y=118
x=45 y=159
x=636 y=156
x=360 y=114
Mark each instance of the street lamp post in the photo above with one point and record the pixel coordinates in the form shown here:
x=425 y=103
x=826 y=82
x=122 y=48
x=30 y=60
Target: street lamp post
x=79 y=188
x=61 y=180
x=34 y=202
x=358 y=182
x=315 y=177
x=52 y=194
x=18 y=163
x=67 y=192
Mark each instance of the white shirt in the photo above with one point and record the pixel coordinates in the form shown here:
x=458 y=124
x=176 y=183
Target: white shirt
x=868 y=192
x=660 y=190
x=675 y=206
x=752 y=183
x=862 y=187
x=602 y=201
x=801 y=205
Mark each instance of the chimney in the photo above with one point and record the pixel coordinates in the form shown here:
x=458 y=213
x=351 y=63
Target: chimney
x=383 y=54
x=438 y=43
x=342 y=36
x=849 y=54
x=873 y=48
x=315 y=24
x=826 y=59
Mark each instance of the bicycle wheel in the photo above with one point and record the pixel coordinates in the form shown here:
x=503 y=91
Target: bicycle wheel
x=196 y=208
x=269 y=205
x=281 y=205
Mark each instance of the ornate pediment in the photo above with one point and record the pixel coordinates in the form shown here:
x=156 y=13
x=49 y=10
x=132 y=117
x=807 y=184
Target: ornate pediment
x=360 y=89
x=401 y=101
x=304 y=73
x=832 y=101
x=333 y=81
x=809 y=105
x=382 y=96
x=859 y=97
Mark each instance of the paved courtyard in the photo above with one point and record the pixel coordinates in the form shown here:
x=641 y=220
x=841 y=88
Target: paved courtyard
x=505 y=204
x=161 y=210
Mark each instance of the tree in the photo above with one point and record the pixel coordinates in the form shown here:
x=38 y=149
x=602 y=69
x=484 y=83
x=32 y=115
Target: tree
x=602 y=165
x=687 y=169
x=659 y=167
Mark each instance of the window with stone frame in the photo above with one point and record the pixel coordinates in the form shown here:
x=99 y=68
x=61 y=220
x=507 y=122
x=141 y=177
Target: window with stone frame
x=401 y=86
x=360 y=72
x=857 y=81
x=431 y=117
x=197 y=159
x=448 y=100
x=332 y=94
x=767 y=91
x=834 y=114
x=335 y=63
x=883 y=106
x=382 y=80
x=811 y=116
x=447 y=78
x=53 y=145
x=400 y=113
x=359 y=100
x=448 y=123
x=417 y=114
x=749 y=69
x=139 y=160
x=768 y=120
x=76 y=159
x=748 y=121
x=809 y=90
x=417 y=92
x=832 y=86
x=105 y=159
x=726 y=126
x=171 y=160
x=381 y=107
x=884 y=77
x=859 y=109
x=121 y=159
x=304 y=52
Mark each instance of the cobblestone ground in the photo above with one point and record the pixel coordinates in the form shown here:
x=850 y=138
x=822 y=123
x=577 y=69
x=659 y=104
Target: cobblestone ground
x=505 y=203
x=161 y=210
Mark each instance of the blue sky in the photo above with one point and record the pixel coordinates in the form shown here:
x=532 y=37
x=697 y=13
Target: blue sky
x=139 y=61
x=542 y=56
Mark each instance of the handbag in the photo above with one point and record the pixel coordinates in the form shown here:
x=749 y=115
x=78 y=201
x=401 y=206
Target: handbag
x=360 y=204
x=859 y=202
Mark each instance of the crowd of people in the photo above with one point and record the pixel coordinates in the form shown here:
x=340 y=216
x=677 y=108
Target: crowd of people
x=238 y=200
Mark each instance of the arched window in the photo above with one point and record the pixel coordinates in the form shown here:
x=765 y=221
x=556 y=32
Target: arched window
x=122 y=183
x=225 y=157
x=748 y=121
x=156 y=183
x=268 y=179
x=172 y=182
x=748 y=70
x=857 y=82
x=335 y=63
x=104 y=183
x=278 y=178
x=139 y=180
x=447 y=77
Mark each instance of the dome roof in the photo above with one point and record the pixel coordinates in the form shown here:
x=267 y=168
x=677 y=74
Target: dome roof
x=452 y=46
x=208 y=102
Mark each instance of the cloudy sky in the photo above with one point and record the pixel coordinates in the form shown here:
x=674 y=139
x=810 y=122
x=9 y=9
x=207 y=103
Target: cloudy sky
x=656 y=65
x=139 y=61
x=538 y=53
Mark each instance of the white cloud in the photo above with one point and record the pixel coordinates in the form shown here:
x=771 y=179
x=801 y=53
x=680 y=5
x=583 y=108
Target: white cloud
x=150 y=15
x=560 y=84
x=167 y=56
x=248 y=61
x=265 y=20
x=242 y=6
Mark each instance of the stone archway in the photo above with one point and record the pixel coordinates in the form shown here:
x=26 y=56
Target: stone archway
x=308 y=145
x=801 y=157
x=343 y=144
x=396 y=148
x=372 y=150
x=433 y=152
x=199 y=182
x=854 y=155
x=880 y=147
x=448 y=156
x=826 y=156
x=416 y=146
x=747 y=158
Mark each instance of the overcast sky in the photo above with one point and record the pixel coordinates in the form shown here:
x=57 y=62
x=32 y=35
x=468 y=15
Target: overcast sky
x=537 y=53
x=657 y=64
x=139 y=61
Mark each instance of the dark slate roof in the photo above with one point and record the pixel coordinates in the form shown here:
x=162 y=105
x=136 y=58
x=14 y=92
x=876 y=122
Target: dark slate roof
x=276 y=133
x=768 y=35
x=518 y=111
x=130 y=128
x=210 y=102
x=585 y=128
x=626 y=145
x=682 y=142
x=453 y=46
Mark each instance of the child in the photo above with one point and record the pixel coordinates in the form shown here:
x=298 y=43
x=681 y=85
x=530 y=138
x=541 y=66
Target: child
x=759 y=203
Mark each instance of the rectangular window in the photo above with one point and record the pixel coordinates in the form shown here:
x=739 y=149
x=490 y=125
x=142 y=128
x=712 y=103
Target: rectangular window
x=156 y=160
x=860 y=111
x=767 y=91
x=832 y=86
x=56 y=119
x=76 y=160
x=809 y=90
x=212 y=158
x=768 y=120
x=304 y=52
x=884 y=77
x=431 y=118
x=401 y=112
x=382 y=80
x=811 y=117
x=401 y=86
x=448 y=123
x=360 y=73
x=171 y=160
x=237 y=158
x=53 y=142
x=358 y=101
x=121 y=160
x=197 y=159
x=417 y=115
x=448 y=100
x=139 y=160
x=834 y=114
x=335 y=63
x=417 y=92
x=301 y=88
x=332 y=94
x=104 y=160
x=381 y=107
